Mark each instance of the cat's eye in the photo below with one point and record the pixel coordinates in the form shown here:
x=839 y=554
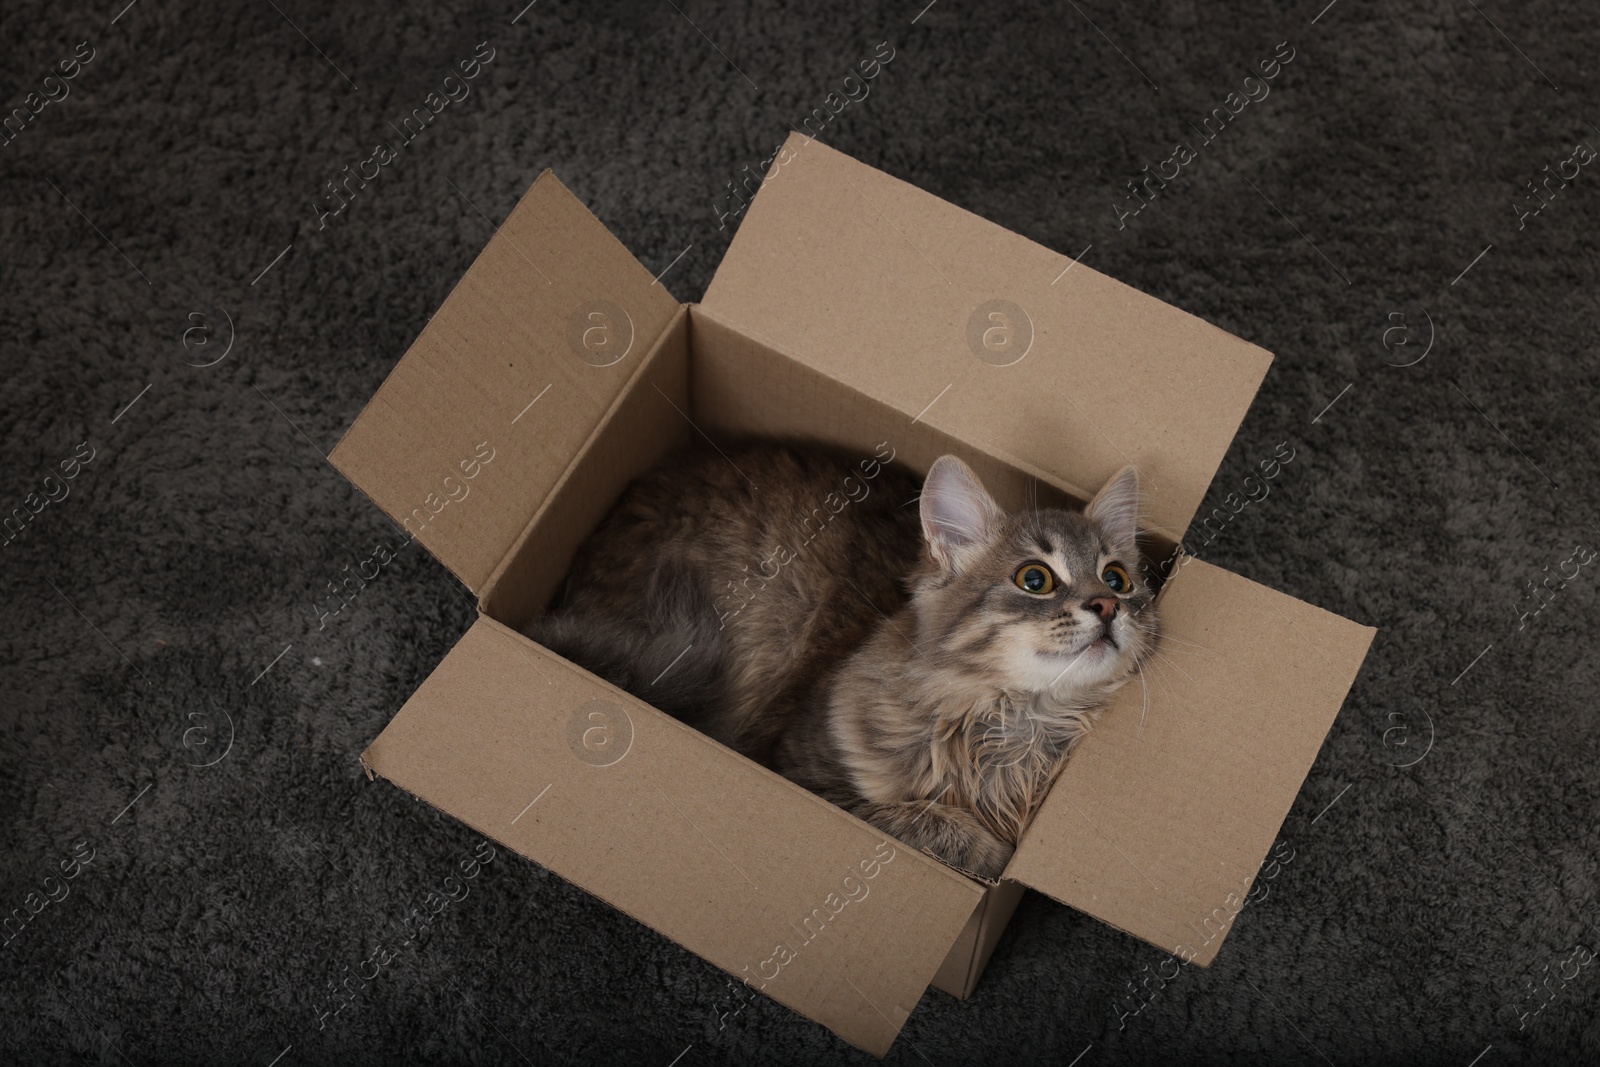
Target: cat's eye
x=1034 y=578
x=1117 y=578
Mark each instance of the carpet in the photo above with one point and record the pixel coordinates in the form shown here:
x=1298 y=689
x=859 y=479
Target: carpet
x=1402 y=211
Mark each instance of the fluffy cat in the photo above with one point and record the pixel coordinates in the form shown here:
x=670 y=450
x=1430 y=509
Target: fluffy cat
x=923 y=661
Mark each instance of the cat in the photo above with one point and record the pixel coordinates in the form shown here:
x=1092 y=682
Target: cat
x=911 y=653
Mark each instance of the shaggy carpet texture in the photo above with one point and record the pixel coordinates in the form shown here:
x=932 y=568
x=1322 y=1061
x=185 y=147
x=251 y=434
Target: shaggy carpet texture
x=198 y=862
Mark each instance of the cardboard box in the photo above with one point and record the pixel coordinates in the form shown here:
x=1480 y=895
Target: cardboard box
x=854 y=309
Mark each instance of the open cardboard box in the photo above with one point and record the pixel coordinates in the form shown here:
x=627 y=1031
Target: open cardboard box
x=857 y=310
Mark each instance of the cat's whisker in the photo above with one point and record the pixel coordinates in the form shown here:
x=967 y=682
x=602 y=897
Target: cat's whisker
x=1171 y=691
x=1162 y=654
x=1167 y=636
x=1144 y=714
x=1174 y=650
x=1166 y=646
x=1173 y=638
x=1156 y=639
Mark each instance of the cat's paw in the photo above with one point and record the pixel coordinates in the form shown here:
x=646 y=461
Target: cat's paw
x=954 y=835
x=981 y=854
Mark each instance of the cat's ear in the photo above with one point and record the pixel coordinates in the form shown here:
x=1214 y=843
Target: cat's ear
x=959 y=516
x=1116 y=507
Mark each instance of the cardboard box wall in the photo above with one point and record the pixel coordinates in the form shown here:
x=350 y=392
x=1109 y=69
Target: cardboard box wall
x=854 y=309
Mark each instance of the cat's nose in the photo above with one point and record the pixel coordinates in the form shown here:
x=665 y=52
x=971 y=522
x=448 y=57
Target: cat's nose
x=1103 y=606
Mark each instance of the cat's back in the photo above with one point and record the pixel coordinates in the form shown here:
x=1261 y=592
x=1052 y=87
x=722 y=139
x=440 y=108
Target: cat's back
x=768 y=497
x=763 y=564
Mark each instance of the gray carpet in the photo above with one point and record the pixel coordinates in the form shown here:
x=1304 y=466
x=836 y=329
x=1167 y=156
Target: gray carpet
x=1441 y=909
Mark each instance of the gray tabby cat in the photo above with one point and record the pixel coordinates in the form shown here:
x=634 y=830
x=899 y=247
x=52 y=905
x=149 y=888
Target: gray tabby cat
x=925 y=668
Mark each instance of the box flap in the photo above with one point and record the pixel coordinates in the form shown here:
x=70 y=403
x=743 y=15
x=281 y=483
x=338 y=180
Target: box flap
x=978 y=331
x=507 y=380
x=1160 y=829
x=767 y=881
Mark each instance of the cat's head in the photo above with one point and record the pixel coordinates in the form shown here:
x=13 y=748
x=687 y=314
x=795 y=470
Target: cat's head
x=1041 y=600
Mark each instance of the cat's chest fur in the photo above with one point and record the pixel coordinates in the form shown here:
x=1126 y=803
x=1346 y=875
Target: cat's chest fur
x=954 y=739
